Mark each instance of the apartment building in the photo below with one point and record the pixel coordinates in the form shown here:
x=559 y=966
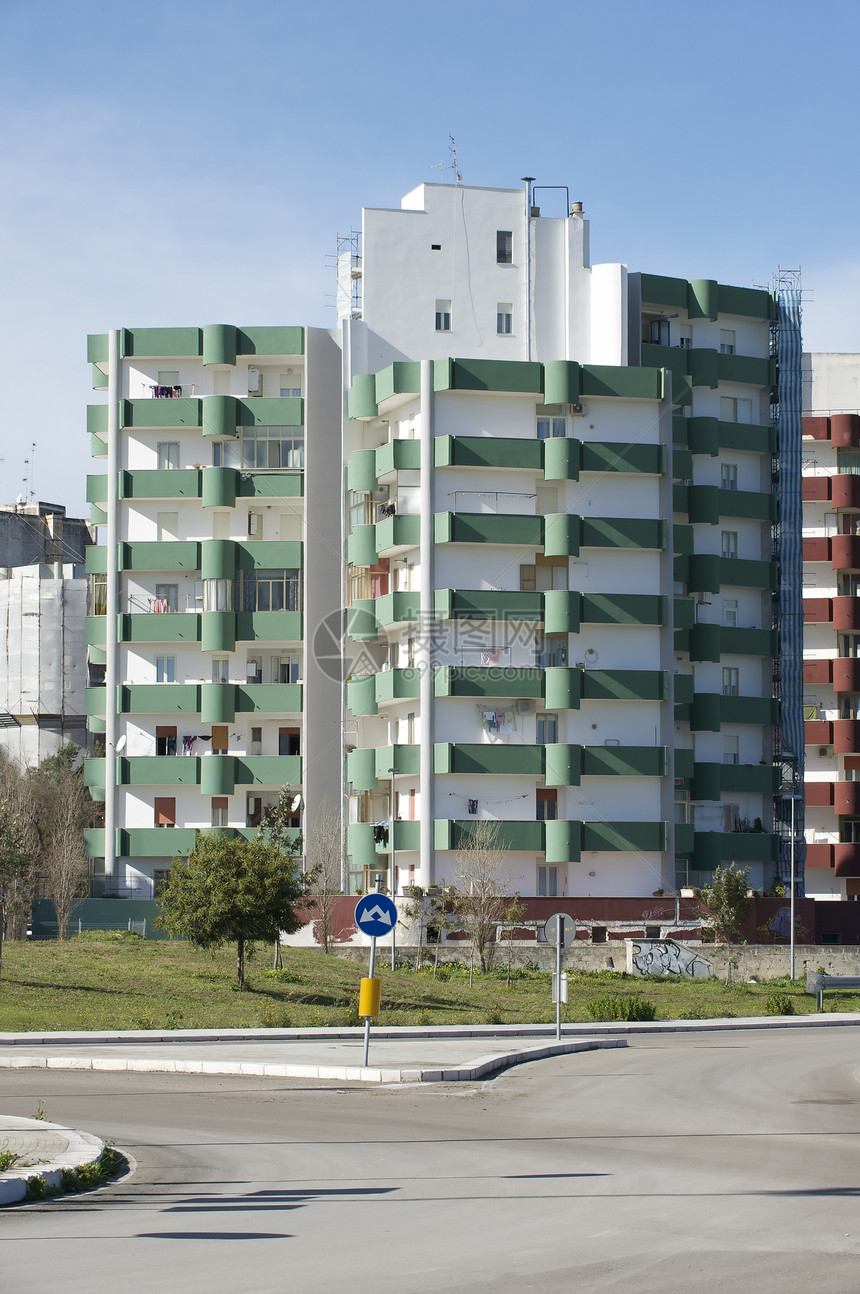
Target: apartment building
x=544 y=491
x=831 y=579
x=562 y=574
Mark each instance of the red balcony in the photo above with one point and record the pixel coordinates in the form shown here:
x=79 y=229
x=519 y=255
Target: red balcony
x=846 y=674
x=819 y=795
x=818 y=732
x=816 y=550
x=846 y=613
x=846 y=799
x=845 y=430
x=847 y=859
x=817 y=428
x=846 y=736
x=818 y=610
x=846 y=552
x=820 y=671
x=819 y=855
x=816 y=489
x=844 y=490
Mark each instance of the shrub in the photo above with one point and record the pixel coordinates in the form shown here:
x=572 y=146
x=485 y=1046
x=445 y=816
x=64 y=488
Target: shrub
x=778 y=1004
x=8 y=1159
x=609 y=1006
x=275 y=1016
x=493 y=1017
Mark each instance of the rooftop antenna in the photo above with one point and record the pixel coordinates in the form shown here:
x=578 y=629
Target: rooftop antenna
x=457 y=176
x=440 y=166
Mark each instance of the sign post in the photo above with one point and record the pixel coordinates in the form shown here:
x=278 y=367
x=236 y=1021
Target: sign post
x=375 y=914
x=559 y=929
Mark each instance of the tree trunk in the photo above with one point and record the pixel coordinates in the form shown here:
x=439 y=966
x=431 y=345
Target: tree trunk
x=2 y=924
x=240 y=963
x=278 y=959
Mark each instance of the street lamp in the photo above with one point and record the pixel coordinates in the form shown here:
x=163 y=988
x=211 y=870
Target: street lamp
x=793 y=796
x=391 y=819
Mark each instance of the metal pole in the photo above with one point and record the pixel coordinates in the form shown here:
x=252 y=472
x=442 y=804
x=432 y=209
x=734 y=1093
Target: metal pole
x=367 y=1017
x=559 y=944
x=394 y=946
x=112 y=601
x=791 y=896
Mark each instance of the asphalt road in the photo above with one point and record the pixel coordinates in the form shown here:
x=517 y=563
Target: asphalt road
x=680 y=1164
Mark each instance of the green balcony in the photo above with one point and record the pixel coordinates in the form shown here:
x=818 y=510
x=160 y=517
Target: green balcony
x=159 y=698
x=618 y=456
x=487 y=604
x=711 y=780
x=95 y=631
x=623 y=608
x=276 y=485
x=623 y=532
x=94 y=702
x=269 y=698
x=160 y=555
x=280 y=554
x=365 y=768
x=562 y=841
x=184 y=412
x=397 y=532
x=457 y=833
x=364 y=850
x=708 y=504
x=396 y=608
x=269 y=626
x=268 y=770
x=161 y=484
x=490 y=451
x=709 y=710
x=397 y=685
x=623 y=837
x=712 y=848
x=526 y=531
x=479 y=758
x=625 y=761
x=624 y=685
x=488 y=681
x=166 y=628
x=158 y=770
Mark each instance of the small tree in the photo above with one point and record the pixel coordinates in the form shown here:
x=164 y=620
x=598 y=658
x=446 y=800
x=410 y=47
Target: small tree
x=232 y=891
x=323 y=871
x=61 y=809
x=481 y=888
x=17 y=873
x=277 y=827
x=726 y=902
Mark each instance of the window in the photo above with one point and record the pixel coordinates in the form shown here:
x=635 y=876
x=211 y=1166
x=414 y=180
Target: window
x=220 y=669
x=547 y=573
x=848 y=462
x=443 y=316
x=290 y=386
x=219 y=810
x=849 y=645
x=160 y=878
x=289 y=741
x=167 y=526
x=729 y=543
x=256 y=741
x=255 y=525
x=734 y=410
x=547 y=729
x=731 y=753
x=165 y=811
x=218 y=595
x=547 y=882
x=546 y=804
x=262 y=449
x=253 y=810
x=728 y=476
x=685 y=336
x=220 y=737
x=504 y=318
x=504 y=247
x=730 y=613
x=167 y=597
x=730 y=680
x=731 y=816
x=165 y=669
x=849 y=707
x=551 y=422
x=598 y=934
x=410 y=729
x=255 y=381
x=727 y=341
x=683 y=808
x=168 y=455
x=268 y=590
x=551 y=651
x=165 y=741
x=96 y=674
x=286 y=669
x=657 y=332
x=98 y=595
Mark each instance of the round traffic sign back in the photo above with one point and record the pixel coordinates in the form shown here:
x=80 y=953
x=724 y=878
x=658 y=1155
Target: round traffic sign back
x=563 y=924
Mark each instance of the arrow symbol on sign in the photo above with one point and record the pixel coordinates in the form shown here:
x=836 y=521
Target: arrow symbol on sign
x=378 y=914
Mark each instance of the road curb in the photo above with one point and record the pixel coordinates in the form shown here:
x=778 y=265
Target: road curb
x=84 y=1149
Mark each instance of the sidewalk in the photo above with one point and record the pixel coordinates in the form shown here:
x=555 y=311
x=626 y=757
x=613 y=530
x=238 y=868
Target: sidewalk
x=397 y=1055
x=46 y=1150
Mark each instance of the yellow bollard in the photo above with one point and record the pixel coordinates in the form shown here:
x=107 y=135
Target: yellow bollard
x=368 y=997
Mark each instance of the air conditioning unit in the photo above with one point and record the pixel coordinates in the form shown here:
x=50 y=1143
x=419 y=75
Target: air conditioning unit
x=576 y=410
x=525 y=707
x=822 y=750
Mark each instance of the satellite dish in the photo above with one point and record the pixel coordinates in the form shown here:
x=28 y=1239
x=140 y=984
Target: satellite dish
x=591 y=656
x=120 y=745
x=296 y=804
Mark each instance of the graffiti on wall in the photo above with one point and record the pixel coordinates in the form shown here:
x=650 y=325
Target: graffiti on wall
x=665 y=957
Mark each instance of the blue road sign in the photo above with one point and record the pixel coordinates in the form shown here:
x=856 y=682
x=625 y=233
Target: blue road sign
x=375 y=914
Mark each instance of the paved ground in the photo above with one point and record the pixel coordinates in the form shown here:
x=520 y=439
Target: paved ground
x=681 y=1163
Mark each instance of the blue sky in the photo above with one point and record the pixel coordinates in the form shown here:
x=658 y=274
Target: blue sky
x=188 y=162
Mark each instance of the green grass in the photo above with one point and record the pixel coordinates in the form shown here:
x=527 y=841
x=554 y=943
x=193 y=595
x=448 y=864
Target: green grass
x=116 y=982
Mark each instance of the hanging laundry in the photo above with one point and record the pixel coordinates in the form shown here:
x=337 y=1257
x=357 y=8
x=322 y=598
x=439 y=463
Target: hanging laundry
x=380 y=835
x=473 y=807
x=489 y=655
x=188 y=745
